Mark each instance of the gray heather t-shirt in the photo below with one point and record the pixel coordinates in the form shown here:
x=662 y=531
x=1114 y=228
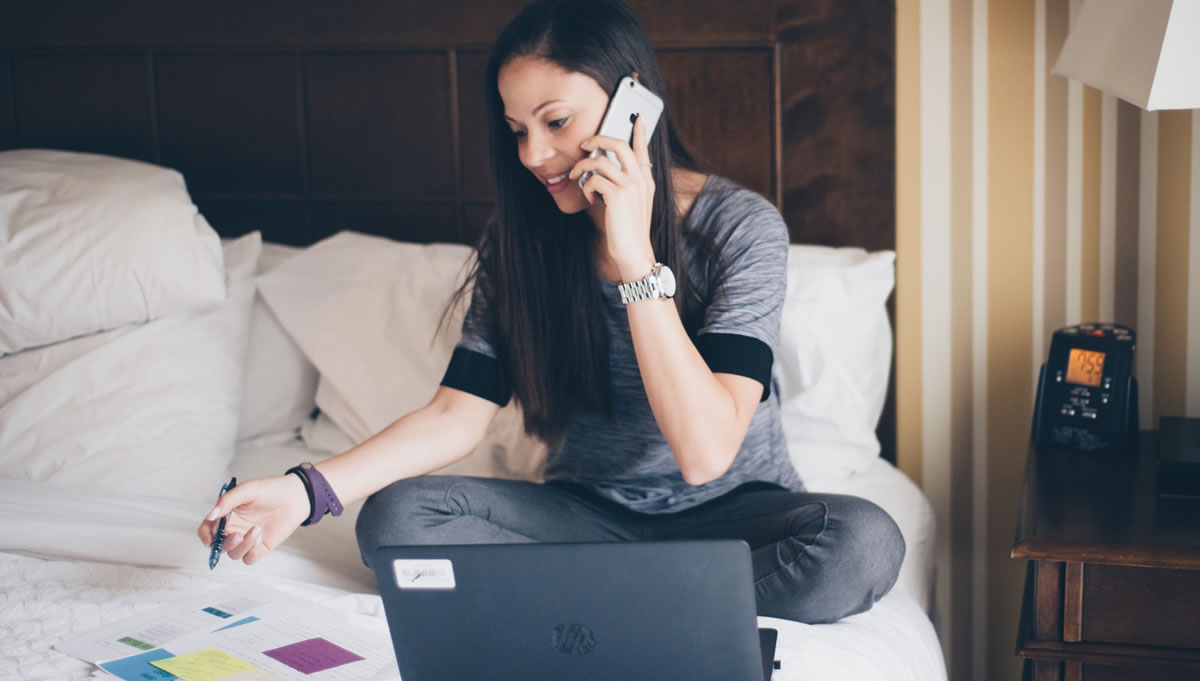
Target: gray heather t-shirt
x=628 y=460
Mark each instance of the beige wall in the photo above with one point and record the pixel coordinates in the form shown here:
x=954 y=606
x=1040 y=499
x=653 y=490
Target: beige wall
x=1025 y=202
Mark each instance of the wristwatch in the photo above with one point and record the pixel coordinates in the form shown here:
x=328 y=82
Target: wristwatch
x=658 y=285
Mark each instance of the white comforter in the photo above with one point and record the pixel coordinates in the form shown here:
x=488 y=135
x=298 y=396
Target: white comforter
x=73 y=558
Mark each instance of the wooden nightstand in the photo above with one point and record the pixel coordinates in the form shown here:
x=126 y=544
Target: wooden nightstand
x=1112 y=591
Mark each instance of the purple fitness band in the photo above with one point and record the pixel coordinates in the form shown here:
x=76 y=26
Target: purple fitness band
x=321 y=498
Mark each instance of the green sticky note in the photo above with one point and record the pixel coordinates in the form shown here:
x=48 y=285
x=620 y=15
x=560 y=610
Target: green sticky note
x=130 y=641
x=210 y=664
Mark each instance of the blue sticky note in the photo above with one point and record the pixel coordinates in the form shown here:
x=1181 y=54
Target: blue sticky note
x=239 y=623
x=138 y=667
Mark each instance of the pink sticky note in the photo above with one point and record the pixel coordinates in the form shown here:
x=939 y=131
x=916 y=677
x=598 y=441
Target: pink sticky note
x=312 y=656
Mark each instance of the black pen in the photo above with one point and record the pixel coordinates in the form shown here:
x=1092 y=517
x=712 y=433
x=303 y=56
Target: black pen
x=219 y=538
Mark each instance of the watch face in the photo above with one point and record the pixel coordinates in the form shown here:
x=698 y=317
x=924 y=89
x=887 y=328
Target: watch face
x=666 y=279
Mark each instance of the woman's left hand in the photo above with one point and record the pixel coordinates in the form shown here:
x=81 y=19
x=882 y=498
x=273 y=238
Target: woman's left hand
x=628 y=193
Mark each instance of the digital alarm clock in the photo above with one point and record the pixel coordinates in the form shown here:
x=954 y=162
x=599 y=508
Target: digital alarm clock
x=1087 y=394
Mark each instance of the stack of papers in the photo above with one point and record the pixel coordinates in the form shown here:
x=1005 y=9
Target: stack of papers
x=242 y=633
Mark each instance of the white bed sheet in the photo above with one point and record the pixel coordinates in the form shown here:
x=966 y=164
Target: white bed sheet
x=73 y=558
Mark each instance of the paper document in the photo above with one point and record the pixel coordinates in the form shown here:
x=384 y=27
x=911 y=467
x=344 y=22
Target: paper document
x=293 y=647
x=153 y=629
x=287 y=640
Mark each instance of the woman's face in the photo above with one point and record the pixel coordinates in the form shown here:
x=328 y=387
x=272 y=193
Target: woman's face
x=551 y=111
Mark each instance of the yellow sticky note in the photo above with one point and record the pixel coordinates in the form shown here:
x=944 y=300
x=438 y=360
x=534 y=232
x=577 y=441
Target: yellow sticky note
x=210 y=664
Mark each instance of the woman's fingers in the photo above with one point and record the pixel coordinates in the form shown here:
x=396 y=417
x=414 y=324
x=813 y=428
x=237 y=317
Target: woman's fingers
x=256 y=552
x=229 y=502
x=246 y=544
x=602 y=165
x=205 y=532
x=232 y=541
x=625 y=156
x=627 y=159
x=208 y=530
x=238 y=496
x=598 y=184
x=641 y=146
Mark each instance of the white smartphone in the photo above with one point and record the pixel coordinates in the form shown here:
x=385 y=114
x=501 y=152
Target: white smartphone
x=630 y=98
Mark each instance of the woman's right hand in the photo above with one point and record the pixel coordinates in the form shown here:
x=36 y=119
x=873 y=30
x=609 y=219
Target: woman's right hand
x=262 y=514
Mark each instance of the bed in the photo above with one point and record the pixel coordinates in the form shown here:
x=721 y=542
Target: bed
x=239 y=234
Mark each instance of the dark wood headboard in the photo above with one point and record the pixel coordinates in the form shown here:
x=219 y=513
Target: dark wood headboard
x=301 y=119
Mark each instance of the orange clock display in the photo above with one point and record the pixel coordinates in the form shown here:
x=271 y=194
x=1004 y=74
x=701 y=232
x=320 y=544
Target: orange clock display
x=1085 y=367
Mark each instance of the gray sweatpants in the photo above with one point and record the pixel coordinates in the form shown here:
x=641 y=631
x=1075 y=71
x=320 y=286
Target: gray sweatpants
x=816 y=557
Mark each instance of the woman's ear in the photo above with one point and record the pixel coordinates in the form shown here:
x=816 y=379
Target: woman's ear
x=635 y=76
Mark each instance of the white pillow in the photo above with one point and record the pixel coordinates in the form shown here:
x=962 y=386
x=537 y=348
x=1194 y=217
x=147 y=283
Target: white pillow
x=90 y=243
x=834 y=357
x=365 y=310
x=280 y=385
x=323 y=435
x=148 y=408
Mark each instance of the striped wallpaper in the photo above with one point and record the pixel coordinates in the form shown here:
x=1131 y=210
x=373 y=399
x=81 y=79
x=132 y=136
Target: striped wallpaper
x=1025 y=202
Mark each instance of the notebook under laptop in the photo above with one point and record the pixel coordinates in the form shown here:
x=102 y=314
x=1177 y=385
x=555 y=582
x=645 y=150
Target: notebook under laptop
x=632 y=610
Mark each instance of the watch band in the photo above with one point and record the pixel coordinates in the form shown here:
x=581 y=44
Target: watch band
x=646 y=288
x=321 y=498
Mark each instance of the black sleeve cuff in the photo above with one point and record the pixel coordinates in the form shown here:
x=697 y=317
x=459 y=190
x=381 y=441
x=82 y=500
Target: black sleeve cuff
x=727 y=353
x=476 y=373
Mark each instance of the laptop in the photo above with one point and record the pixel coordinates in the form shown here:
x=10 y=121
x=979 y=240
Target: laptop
x=630 y=610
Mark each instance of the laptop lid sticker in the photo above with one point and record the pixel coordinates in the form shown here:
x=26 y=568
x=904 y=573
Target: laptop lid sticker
x=424 y=574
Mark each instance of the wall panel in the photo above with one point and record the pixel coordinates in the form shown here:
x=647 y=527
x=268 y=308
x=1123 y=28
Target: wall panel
x=379 y=125
x=1009 y=307
x=475 y=218
x=1128 y=155
x=149 y=23
x=425 y=222
x=282 y=221
x=1089 y=277
x=721 y=102
x=229 y=122
x=98 y=103
x=476 y=154
x=852 y=191
x=8 y=122
x=1171 y=267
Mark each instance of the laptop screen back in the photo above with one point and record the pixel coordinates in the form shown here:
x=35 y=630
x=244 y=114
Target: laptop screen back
x=633 y=610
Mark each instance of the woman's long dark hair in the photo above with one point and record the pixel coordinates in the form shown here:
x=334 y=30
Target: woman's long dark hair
x=549 y=310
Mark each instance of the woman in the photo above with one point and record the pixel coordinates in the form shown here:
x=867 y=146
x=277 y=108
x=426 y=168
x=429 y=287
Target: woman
x=659 y=411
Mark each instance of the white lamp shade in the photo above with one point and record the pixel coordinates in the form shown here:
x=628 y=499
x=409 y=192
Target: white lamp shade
x=1144 y=51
